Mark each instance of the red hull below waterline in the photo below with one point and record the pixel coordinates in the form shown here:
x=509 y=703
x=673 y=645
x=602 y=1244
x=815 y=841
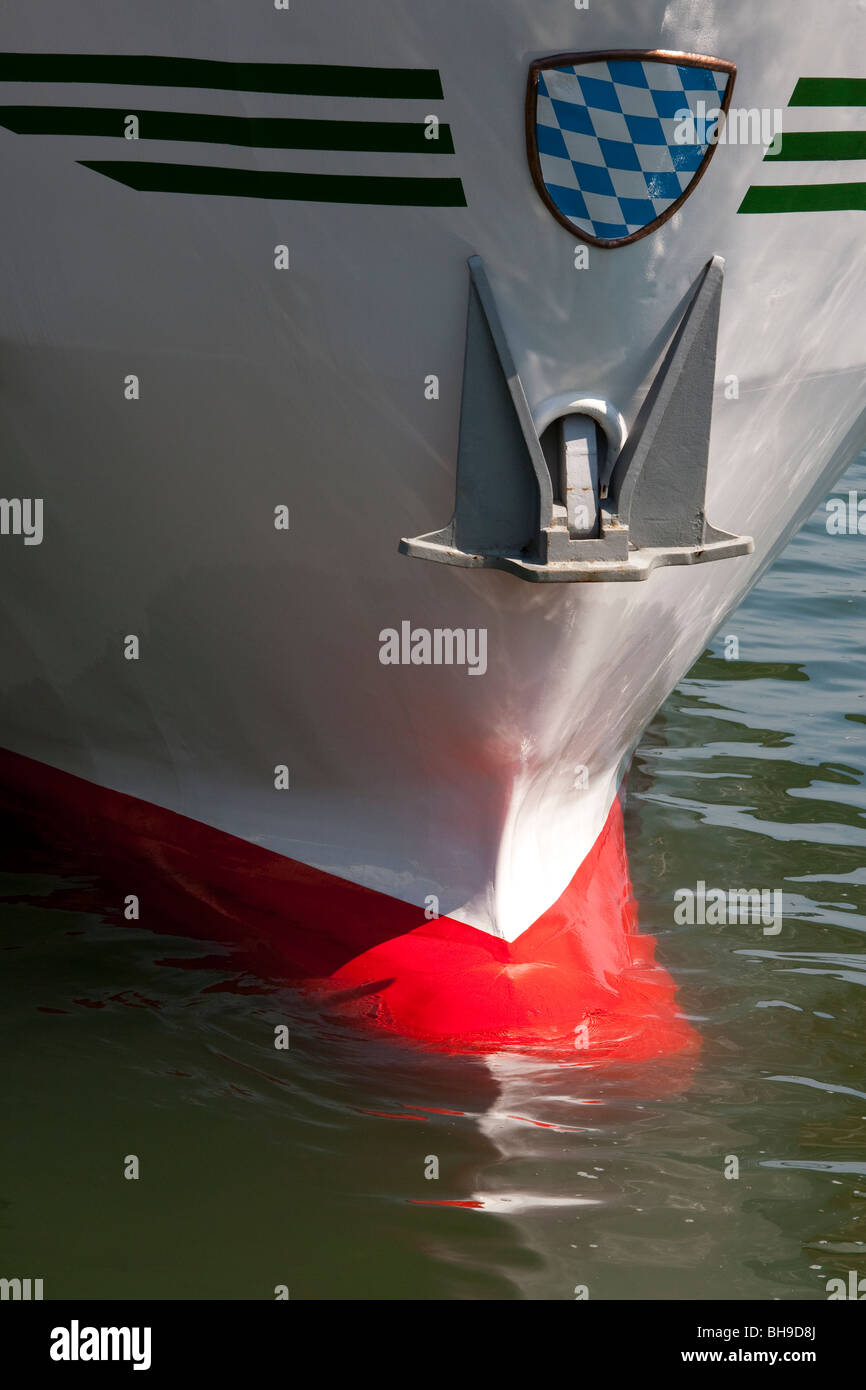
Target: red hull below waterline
x=581 y=982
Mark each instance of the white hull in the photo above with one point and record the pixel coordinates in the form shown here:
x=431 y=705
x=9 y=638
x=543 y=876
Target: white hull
x=306 y=388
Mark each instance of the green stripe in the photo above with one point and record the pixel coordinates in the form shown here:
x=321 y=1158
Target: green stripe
x=821 y=144
x=312 y=188
x=821 y=197
x=261 y=132
x=829 y=91
x=305 y=79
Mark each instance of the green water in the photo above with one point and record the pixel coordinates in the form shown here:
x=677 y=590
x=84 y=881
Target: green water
x=306 y=1167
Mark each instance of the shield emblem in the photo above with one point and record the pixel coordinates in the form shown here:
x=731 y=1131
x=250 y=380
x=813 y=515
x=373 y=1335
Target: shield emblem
x=617 y=141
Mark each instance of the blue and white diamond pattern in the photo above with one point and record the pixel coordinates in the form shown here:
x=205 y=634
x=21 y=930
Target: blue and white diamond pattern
x=606 y=139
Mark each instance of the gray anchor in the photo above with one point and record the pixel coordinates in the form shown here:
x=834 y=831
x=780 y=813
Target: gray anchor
x=577 y=513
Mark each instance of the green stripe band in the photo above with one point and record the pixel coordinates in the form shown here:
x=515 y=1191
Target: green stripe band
x=303 y=79
x=254 y=183
x=260 y=132
x=829 y=91
x=821 y=197
x=821 y=144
